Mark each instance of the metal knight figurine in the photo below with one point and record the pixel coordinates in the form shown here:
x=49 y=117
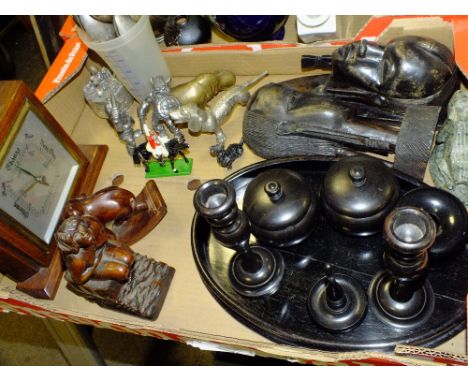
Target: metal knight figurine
x=159 y=144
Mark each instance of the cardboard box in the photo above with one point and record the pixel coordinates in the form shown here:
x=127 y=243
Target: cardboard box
x=190 y=313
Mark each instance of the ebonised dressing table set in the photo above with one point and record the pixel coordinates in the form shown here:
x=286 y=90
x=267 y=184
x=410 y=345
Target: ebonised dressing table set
x=371 y=270
x=349 y=253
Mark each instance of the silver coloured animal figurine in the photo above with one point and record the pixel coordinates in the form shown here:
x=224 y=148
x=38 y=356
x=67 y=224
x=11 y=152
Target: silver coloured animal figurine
x=449 y=160
x=109 y=99
x=210 y=118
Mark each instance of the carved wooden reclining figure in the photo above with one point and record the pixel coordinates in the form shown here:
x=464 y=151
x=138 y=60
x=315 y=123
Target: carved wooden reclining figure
x=377 y=98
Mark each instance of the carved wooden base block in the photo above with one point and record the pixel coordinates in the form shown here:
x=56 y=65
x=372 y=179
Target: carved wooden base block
x=142 y=222
x=142 y=295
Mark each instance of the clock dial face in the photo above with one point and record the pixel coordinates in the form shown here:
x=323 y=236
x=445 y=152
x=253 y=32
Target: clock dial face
x=36 y=176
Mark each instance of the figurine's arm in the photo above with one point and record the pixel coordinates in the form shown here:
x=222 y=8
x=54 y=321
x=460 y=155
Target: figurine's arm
x=142 y=113
x=78 y=266
x=116 y=261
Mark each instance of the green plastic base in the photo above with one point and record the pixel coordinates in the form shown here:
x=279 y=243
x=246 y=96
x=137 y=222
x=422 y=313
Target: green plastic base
x=158 y=171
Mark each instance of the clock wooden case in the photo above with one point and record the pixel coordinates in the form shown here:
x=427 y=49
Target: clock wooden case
x=40 y=169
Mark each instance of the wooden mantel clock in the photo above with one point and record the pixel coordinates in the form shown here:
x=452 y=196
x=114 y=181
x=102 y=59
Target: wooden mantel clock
x=40 y=169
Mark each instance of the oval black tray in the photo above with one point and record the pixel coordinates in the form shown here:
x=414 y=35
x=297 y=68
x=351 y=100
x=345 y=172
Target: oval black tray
x=283 y=317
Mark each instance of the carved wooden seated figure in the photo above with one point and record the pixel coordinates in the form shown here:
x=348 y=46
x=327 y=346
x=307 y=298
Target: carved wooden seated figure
x=90 y=251
x=99 y=263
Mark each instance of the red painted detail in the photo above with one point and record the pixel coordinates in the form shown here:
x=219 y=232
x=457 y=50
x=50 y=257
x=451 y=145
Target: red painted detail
x=339 y=42
x=172 y=50
x=349 y=362
x=117 y=327
x=23 y=311
x=152 y=140
x=380 y=362
x=378 y=24
x=230 y=47
x=62 y=316
x=95 y=322
x=277 y=45
x=123 y=329
x=172 y=336
x=155 y=333
x=449 y=361
x=17 y=303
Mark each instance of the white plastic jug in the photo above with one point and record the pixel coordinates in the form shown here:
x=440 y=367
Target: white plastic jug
x=134 y=57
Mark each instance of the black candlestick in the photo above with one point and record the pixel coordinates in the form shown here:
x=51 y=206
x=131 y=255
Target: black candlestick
x=337 y=302
x=254 y=270
x=400 y=295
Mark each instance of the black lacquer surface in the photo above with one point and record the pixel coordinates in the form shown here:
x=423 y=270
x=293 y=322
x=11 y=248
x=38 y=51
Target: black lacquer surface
x=283 y=317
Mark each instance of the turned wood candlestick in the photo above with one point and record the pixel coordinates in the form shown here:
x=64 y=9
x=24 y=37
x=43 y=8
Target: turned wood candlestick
x=254 y=270
x=401 y=296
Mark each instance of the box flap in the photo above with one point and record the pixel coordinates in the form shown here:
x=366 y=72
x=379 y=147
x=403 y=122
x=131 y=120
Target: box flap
x=66 y=65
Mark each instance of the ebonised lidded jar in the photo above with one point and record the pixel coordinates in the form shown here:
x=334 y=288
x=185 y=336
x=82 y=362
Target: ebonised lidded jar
x=358 y=193
x=281 y=207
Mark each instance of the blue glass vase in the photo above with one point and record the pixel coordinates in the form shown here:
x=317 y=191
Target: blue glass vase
x=251 y=28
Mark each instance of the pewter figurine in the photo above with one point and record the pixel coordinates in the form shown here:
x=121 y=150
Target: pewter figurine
x=162 y=103
x=159 y=144
x=203 y=87
x=99 y=88
x=109 y=99
x=123 y=124
x=210 y=118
